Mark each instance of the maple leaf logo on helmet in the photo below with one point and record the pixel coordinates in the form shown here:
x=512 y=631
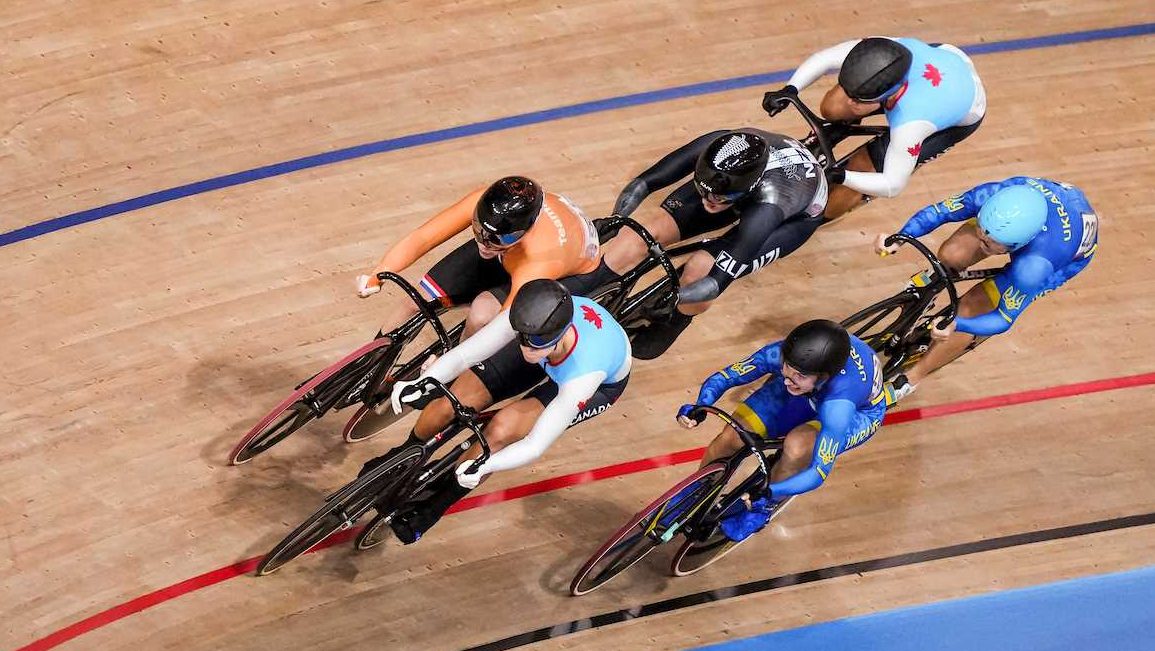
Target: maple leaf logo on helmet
x=932 y=75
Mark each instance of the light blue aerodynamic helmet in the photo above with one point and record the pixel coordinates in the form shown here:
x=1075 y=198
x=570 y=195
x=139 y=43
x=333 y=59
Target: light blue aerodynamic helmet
x=1014 y=216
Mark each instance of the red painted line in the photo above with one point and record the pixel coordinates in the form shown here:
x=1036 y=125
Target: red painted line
x=554 y=483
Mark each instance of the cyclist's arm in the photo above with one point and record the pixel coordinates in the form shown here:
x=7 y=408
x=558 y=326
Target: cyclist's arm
x=432 y=233
x=481 y=346
x=960 y=207
x=820 y=63
x=836 y=417
x=670 y=168
x=767 y=360
x=557 y=416
x=1027 y=275
x=754 y=229
x=898 y=164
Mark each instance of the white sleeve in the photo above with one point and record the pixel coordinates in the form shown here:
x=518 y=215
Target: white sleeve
x=558 y=415
x=481 y=346
x=898 y=164
x=821 y=63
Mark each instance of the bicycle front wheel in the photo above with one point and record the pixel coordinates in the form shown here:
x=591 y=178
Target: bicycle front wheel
x=698 y=553
x=647 y=529
x=342 y=509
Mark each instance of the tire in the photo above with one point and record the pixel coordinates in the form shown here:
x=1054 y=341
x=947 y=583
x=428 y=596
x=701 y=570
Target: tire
x=696 y=553
x=633 y=541
x=366 y=423
x=374 y=533
x=341 y=510
x=293 y=412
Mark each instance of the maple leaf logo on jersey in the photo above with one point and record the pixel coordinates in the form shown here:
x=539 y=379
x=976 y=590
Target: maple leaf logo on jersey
x=915 y=150
x=593 y=317
x=582 y=405
x=932 y=75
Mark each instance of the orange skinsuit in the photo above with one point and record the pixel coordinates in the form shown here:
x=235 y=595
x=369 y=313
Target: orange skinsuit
x=561 y=243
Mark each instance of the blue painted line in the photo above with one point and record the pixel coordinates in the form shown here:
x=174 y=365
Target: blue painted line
x=501 y=124
x=1111 y=611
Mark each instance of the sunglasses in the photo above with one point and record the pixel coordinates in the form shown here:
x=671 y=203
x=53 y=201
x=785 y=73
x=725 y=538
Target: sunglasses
x=538 y=341
x=721 y=198
x=496 y=240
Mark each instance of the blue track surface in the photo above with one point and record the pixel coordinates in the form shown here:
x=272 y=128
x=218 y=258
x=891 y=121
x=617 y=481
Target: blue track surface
x=1112 y=611
x=500 y=124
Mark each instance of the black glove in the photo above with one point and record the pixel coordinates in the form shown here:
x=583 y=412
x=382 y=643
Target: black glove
x=836 y=176
x=775 y=101
x=631 y=197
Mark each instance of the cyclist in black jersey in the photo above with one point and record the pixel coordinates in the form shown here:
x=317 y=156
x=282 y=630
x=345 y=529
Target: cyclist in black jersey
x=769 y=189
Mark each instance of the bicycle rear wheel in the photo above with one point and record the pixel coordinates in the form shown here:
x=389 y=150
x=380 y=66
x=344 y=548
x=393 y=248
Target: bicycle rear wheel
x=297 y=410
x=697 y=553
x=645 y=531
x=341 y=510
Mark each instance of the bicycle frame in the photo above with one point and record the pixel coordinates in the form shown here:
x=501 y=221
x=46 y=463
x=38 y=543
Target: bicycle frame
x=341 y=393
x=627 y=305
x=825 y=135
x=755 y=484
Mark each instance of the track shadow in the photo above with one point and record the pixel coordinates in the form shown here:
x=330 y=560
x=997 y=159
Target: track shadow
x=583 y=523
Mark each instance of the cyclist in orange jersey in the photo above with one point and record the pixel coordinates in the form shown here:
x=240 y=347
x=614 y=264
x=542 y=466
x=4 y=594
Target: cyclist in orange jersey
x=520 y=234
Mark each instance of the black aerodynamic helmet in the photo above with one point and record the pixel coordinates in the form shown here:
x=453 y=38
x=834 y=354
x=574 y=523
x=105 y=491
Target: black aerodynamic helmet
x=541 y=312
x=506 y=210
x=818 y=346
x=874 y=69
x=731 y=166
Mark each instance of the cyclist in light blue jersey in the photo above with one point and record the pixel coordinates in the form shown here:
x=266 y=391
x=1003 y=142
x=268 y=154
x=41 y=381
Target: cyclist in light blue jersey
x=570 y=342
x=930 y=94
x=1048 y=228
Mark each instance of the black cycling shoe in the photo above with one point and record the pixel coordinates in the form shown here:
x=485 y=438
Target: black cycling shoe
x=409 y=525
x=653 y=340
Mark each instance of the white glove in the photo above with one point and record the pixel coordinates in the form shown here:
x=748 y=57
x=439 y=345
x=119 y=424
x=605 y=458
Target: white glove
x=398 y=388
x=367 y=285
x=469 y=481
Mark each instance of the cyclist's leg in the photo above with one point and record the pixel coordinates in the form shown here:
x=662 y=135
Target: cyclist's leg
x=715 y=260
x=842 y=199
x=759 y=414
x=980 y=299
x=682 y=217
x=963 y=248
x=484 y=308
x=458 y=279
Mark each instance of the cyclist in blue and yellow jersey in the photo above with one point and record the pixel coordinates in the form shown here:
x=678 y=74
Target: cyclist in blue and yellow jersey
x=569 y=347
x=1048 y=228
x=930 y=94
x=825 y=397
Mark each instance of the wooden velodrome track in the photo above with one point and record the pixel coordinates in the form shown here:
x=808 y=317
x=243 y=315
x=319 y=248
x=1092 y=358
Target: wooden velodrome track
x=138 y=348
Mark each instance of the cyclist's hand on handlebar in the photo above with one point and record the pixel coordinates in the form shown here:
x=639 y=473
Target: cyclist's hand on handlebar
x=882 y=249
x=467 y=479
x=938 y=333
x=689 y=417
x=776 y=101
x=368 y=285
x=413 y=394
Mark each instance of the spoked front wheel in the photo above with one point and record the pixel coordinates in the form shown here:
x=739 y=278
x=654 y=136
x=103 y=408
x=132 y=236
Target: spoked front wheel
x=647 y=529
x=697 y=552
x=341 y=510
